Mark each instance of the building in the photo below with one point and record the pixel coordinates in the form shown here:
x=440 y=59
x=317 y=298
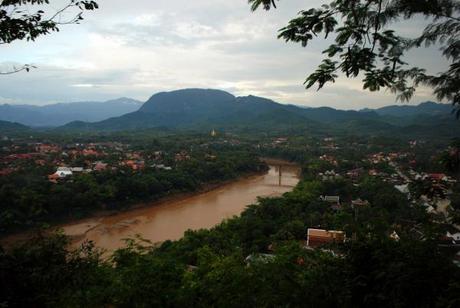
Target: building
x=437 y=177
x=318 y=237
x=61 y=173
x=53 y=178
x=329 y=175
x=100 y=166
x=394 y=236
x=330 y=199
x=64 y=172
x=77 y=169
x=455 y=236
x=355 y=173
x=452 y=236
x=47 y=148
x=359 y=203
x=161 y=166
x=404 y=188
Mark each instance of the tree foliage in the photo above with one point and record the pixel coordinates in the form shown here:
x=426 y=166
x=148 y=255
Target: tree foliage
x=366 y=43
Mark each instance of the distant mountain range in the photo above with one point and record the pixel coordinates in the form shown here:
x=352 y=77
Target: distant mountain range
x=63 y=113
x=426 y=108
x=208 y=108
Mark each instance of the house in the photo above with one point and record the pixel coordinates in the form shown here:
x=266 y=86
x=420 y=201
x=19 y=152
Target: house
x=355 y=173
x=64 y=172
x=47 y=148
x=90 y=152
x=158 y=155
x=210 y=157
x=329 y=159
x=318 y=237
x=53 y=178
x=359 y=203
x=330 y=199
x=437 y=177
x=182 y=156
x=280 y=140
x=134 y=156
x=373 y=172
x=100 y=166
x=377 y=158
x=135 y=164
x=329 y=175
x=430 y=209
x=161 y=166
x=394 y=236
x=403 y=188
x=442 y=205
x=61 y=173
x=454 y=235
x=392 y=156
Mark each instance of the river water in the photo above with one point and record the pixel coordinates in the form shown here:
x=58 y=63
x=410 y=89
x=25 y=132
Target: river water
x=169 y=220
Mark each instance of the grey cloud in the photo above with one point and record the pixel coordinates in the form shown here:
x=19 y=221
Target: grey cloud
x=169 y=44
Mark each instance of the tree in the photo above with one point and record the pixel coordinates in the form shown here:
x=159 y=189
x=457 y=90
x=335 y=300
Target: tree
x=366 y=45
x=19 y=22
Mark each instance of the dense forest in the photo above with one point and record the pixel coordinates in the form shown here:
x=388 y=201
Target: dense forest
x=257 y=259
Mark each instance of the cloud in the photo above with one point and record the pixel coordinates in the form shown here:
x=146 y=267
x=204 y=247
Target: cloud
x=145 y=46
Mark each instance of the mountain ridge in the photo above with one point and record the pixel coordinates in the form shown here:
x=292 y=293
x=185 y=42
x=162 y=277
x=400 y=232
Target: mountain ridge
x=62 y=113
x=427 y=107
x=209 y=108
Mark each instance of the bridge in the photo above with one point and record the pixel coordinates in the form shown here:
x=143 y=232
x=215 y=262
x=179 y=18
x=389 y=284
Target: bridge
x=279 y=165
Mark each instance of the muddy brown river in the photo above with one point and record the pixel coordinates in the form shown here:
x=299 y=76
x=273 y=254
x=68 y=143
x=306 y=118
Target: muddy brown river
x=169 y=220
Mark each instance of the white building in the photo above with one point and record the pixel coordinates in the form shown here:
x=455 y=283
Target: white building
x=64 y=172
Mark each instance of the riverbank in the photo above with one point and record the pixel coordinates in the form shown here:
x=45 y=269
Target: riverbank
x=170 y=219
x=89 y=220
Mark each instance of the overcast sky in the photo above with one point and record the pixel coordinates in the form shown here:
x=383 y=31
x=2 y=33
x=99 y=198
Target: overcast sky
x=139 y=47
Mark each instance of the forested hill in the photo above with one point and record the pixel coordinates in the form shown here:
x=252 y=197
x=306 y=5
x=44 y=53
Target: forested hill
x=207 y=108
x=6 y=126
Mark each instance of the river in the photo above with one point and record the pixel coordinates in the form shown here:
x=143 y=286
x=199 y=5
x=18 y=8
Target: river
x=169 y=220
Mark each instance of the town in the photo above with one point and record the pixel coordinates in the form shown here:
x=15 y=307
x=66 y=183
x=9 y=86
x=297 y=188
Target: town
x=92 y=170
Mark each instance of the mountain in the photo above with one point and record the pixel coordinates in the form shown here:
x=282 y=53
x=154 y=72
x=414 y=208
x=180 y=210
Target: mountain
x=188 y=101
x=199 y=107
x=426 y=108
x=207 y=108
x=62 y=113
x=195 y=108
x=6 y=127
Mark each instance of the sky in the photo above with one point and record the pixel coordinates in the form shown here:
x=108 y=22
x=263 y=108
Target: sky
x=140 y=47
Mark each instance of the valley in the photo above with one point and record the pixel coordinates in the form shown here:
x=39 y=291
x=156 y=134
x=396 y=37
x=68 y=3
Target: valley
x=188 y=190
